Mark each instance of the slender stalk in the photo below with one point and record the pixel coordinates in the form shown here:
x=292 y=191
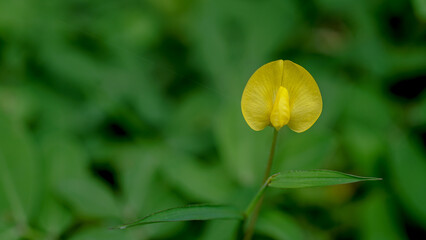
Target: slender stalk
x=256 y=199
x=259 y=196
x=271 y=156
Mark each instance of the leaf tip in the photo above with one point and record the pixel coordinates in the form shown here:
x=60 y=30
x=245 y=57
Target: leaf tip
x=118 y=227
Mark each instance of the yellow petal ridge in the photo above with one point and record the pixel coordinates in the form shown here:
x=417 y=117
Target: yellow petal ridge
x=259 y=94
x=280 y=114
x=305 y=96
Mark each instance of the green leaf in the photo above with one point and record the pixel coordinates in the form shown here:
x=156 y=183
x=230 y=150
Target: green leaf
x=19 y=172
x=223 y=230
x=89 y=197
x=59 y=166
x=101 y=233
x=314 y=178
x=364 y=146
x=279 y=225
x=189 y=213
x=181 y=169
x=9 y=232
x=53 y=218
x=407 y=171
x=239 y=148
x=419 y=8
x=138 y=166
x=379 y=219
x=298 y=151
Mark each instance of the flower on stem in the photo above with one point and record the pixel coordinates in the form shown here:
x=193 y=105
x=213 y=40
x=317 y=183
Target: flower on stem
x=281 y=93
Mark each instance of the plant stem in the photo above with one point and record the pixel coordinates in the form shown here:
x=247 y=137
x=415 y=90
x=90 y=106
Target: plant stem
x=271 y=156
x=259 y=196
x=256 y=199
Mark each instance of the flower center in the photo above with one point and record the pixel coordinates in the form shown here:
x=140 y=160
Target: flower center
x=280 y=114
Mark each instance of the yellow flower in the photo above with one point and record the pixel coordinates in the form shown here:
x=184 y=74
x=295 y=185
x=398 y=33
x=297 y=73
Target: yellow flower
x=281 y=93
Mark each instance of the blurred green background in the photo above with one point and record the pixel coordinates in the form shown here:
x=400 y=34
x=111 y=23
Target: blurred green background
x=111 y=110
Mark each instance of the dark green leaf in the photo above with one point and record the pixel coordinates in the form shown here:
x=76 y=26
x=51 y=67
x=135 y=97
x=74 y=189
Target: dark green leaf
x=314 y=178
x=223 y=230
x=89 y=197
x=19 y=172
x=407 y=168
x=101 y=233
x=53 y=217
x=189 y=213
x=279 y=225
x=182 y=169
x=379 y=218
x=419 y=8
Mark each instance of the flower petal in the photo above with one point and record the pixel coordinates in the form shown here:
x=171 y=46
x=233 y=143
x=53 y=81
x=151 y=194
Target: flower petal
x=280 y=114
x=259 y=94
x=305 y=96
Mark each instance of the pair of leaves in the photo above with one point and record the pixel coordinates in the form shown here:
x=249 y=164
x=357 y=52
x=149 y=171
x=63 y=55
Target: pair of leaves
x=290 y=179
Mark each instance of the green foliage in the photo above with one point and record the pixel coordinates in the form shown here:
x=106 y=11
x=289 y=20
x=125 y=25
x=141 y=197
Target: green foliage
x=313 y=178
x=279 y=225
x=189 y=213
x=379 y=219
x=101 y=101
x=407 y=171
x=20 y=186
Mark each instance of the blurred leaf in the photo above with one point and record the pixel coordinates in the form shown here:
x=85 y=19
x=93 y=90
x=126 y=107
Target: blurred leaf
x=237 y=44
x=143 y=189
x=243 y=151
x=64 y=157
x=54 y=218
x=134 y=28
x=371 y=102
x=417 y=114
x=189 y=213
x=159 y=197
x=419 y=7
x=408 y=167
x=64 y=160
x=379 y=220
x=195 y=179
x=232 y=229
x=138 y=168
x=101 y=233
x=278 y=225
x=300 y=151
x=314 y=178
x=9 y=233
x=189 y=131
x=364 y=146
x=224 y=230
x=19 y=173
x=88 y=197
x=16 y=103
x=154 y=113
x=333 y=84
x=13 y=16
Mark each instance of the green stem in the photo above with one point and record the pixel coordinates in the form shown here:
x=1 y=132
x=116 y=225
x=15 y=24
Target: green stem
x=256 y=198
x=271 y=156
x=256 y=203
